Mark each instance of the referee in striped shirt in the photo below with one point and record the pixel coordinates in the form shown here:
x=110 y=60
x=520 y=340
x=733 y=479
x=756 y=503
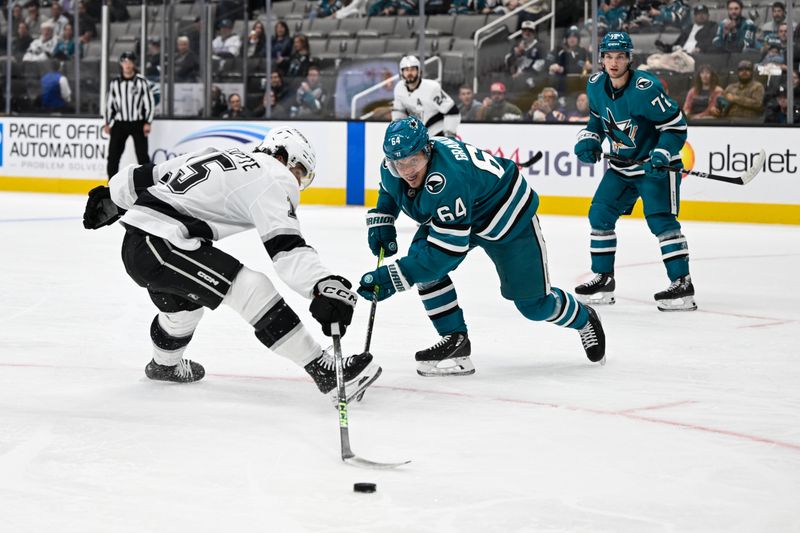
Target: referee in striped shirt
x=129 y=112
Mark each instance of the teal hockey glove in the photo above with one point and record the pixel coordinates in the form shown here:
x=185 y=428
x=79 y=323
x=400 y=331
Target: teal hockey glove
x=654 y=167
x=588 y=148
x=381 y=233
x=389 y=279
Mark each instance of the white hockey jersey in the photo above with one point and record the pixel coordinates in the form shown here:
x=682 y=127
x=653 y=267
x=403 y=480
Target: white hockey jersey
x=429 y=103
x=211 y=194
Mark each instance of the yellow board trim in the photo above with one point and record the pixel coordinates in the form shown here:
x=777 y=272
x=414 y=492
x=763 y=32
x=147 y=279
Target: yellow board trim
x=549 y=205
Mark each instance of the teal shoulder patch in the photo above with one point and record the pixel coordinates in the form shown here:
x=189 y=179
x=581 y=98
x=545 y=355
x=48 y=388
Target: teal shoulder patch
x=594 y=77
x=435 y=183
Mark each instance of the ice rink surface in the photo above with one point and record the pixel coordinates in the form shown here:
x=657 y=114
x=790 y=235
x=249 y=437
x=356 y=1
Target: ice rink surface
x=693 y=425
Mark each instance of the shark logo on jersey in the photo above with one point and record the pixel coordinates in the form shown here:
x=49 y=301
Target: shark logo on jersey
x=643 y=83
x=435 y=183
x=621 y=133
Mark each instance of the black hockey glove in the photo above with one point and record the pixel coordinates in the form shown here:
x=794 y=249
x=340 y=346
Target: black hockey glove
x=333 y=302
x=100 y=210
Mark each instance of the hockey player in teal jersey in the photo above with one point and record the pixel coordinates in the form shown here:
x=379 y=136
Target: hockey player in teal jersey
x=631 y=109
x=463 y=197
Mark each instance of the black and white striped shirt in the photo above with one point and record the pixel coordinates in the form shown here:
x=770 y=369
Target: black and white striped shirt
x=129 y=100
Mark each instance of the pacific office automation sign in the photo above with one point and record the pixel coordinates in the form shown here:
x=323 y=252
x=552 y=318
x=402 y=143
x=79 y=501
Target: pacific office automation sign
x=53 y=148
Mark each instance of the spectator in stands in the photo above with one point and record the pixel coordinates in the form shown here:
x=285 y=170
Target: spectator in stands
x=743 y=99
x=152 y=61
x=55 y=92
x=219 y=104
x=776 y=108
x=467 y=105
x=257 y=41
x=187 y=67
x=16 y=17
x=671 y=13
x=21 y=43
x=778 y=12
x=702 y=97
x=778 y=39
x=695 y=38
x=86 y=22
x=33 y=19
x=465 y=7
x=571 y=59
x=118 y=11
x=277 y=111
x=85 y=39
x=382 y=8
x=612 y=16
x=311 y=98
x=326 y=8
x=57 y=18
x=281 y=44
x=546 y=108
x=41 y=49
x=193 y=33
x=526 y=60
x=280 y=88
x=496 y=109
x=641 y=15
x=227 y=44
x=65 y=47
x=581 y=113
x=235 y=108
x=735 y=33
x=299 y=61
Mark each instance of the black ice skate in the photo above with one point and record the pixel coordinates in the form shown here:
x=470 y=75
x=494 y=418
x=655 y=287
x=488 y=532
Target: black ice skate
x=600 y=290
x=594 y=338
x=448 y=357
x=679 y=296
x=359 y=374
x=185 y=371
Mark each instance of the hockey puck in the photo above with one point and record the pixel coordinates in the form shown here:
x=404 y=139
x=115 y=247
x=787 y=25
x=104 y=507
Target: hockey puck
x=364 y=487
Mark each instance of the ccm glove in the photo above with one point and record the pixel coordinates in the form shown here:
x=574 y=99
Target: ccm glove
x=588 y=148
x=381 y=233
x=100 y=210
x=388 y=280
x=654 y=167
x=333 y=302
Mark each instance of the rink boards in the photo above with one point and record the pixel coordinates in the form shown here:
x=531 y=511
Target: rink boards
x=63 y=155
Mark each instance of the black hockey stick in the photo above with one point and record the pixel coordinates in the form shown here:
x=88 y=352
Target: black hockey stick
x=744 y=179
x=344 y=432
x=532 y=161
x=373 y=308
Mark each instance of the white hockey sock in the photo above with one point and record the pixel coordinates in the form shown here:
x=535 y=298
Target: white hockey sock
x=179 y=328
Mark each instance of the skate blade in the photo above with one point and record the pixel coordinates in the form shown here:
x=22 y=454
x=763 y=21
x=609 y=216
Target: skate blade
x=678 y=304
x=356 y=389
x=598 y=298
x=457 y=366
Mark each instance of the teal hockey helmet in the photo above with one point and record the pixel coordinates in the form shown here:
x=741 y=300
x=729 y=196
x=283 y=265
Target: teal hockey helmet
x=616 y=41
x=405 y=137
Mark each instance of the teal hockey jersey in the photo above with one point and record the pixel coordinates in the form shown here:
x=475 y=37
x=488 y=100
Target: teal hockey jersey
x=636 y=119
x=468 y=197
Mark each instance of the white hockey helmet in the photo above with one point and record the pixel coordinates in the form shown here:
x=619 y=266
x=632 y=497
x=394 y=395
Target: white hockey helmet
x=408 y=62
x=298 y=151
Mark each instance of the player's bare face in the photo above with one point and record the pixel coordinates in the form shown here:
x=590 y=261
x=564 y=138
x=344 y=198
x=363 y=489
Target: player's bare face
x=299 y=172
x=412 y=168
x=616 y=65
x=411 y=76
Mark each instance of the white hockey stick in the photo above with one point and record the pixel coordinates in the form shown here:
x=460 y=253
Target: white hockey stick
x=744 y=179
x=344 y=432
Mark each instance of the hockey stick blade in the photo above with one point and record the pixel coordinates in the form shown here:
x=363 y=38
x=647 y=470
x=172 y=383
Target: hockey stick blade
x=532 y=161
x=360 y=462
x=744 y=179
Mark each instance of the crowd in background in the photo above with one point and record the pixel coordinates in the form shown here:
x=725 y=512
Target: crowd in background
x=534 y=84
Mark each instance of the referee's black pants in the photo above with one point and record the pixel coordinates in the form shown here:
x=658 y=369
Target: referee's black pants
x=120 y=132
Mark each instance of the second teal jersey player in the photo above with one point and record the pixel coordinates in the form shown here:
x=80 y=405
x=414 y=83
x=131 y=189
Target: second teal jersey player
x=632 y=110
x=463 y=198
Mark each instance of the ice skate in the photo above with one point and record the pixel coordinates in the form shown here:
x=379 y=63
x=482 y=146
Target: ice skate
x=359 y=373
x=185 y=371
x=679 y=296
x=448 y=357
x=594 y=338
x=598 y=291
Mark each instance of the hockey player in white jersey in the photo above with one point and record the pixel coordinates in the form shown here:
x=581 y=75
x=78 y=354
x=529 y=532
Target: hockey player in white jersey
x=173 y=212
x=415 y=96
